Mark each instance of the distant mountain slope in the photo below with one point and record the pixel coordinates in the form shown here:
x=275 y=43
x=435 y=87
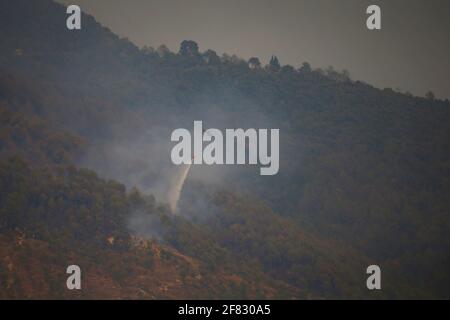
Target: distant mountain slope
x=25 y=129
x=364 y=173
x=51 y=219
x=154 y=272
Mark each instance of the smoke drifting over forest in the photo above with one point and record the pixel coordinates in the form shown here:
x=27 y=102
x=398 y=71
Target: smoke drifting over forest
x=139 y=156
x=86 y=173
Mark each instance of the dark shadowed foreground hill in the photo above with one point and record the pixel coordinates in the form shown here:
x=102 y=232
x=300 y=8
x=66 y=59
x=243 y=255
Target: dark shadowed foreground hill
x=364 y=173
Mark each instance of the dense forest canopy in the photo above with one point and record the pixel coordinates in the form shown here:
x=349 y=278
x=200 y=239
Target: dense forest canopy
x=84 y=138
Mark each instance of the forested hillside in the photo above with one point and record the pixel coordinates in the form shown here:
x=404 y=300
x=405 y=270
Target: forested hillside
x=84 y=157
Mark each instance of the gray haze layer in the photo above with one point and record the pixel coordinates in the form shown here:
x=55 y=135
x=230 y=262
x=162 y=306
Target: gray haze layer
x=410 y=53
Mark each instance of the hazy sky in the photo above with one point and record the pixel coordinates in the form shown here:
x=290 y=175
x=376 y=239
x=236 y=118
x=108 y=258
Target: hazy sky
x=410 y=53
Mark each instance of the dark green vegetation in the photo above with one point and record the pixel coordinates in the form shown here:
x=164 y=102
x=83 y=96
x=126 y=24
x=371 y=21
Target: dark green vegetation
x=364 y=173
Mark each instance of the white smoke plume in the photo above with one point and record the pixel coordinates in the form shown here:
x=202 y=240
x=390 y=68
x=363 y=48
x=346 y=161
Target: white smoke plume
x=177 y=186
